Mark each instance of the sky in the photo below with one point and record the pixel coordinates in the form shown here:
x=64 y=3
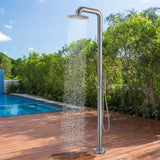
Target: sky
x=43 y=25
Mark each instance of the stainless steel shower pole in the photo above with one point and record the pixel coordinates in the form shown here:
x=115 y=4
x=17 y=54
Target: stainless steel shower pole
x=99 y=149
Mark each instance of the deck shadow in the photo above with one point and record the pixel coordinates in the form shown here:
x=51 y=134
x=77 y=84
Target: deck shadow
x=73 y=156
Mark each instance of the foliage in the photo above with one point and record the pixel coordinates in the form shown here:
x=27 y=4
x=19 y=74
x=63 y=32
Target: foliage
x=5 y=63
x=131 y=61
x=42 y=75
x=137 y=38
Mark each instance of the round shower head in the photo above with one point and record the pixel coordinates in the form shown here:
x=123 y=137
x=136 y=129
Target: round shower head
x=80 y=17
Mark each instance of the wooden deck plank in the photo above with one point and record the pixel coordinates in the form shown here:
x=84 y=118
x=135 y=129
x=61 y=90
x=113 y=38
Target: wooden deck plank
x=72 y=135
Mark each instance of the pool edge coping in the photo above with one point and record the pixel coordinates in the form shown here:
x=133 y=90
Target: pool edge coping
x=40 y=99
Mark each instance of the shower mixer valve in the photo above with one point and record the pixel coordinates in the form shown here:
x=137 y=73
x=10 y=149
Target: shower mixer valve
x=104 y=86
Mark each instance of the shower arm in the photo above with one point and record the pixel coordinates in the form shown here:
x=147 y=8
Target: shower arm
x=79 y=11
x=88 y=10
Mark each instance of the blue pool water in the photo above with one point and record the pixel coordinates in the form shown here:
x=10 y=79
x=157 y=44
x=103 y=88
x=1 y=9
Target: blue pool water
x=12 y=106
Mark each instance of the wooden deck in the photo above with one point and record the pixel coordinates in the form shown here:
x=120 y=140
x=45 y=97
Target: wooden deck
x=72 y=135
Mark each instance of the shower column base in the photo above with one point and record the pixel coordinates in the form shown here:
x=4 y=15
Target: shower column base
x=98 y=151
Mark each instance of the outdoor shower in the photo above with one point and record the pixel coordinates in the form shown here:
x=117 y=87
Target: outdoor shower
x=99 y=149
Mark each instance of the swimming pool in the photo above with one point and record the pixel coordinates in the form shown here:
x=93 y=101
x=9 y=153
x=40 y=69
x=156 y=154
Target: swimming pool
x=13 y=106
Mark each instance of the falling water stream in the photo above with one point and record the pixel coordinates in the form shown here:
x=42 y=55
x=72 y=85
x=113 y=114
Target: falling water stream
x=73 y=122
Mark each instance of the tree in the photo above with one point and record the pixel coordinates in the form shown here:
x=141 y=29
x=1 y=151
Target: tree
x=7 y=66
x=135 y=41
